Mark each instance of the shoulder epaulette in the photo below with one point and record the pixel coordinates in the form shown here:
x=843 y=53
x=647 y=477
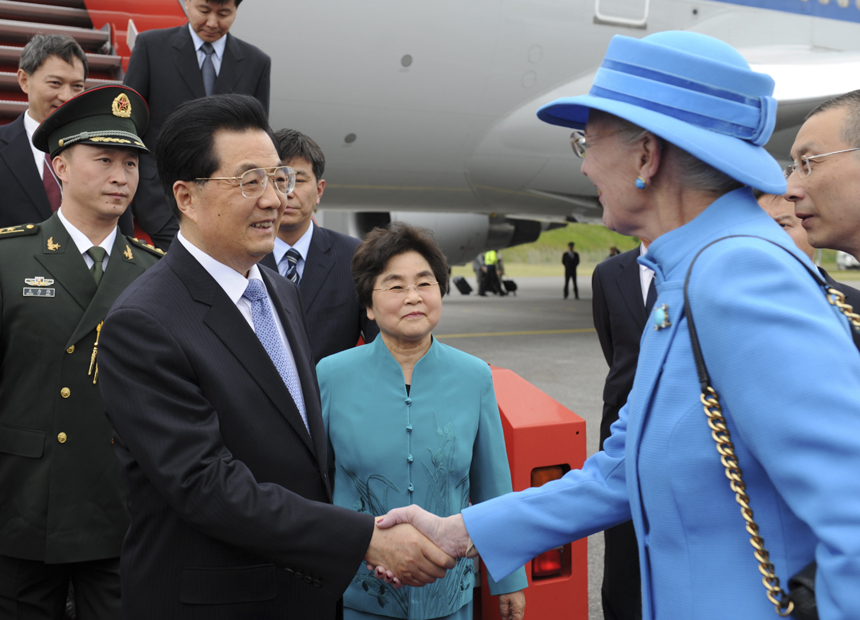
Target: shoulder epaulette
x=145 y=246
x=19 y=231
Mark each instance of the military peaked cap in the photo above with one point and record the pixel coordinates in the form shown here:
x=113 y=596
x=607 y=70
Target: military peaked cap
x=103 y=116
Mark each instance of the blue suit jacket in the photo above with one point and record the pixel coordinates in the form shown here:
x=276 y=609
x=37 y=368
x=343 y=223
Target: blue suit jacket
x=788 y=374
x=436 y=447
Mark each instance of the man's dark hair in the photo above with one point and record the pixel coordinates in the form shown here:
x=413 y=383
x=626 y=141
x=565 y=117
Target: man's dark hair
x=238 y=2
x=382 y=244
x=851 y=127
x=294 y=144
x=186 y=144
x=42 y=46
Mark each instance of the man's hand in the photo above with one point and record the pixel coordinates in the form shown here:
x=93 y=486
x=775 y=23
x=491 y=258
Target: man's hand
x=449 y=534
x=407 y=555
x=513 y=605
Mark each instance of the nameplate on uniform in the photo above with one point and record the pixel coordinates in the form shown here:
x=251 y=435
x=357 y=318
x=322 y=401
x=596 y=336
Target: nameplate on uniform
x=34 y=291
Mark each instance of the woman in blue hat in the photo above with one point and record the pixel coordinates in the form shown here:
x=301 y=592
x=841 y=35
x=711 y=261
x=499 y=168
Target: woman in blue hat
x=672 y=135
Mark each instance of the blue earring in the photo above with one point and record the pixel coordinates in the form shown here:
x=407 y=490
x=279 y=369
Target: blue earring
x=640 y=183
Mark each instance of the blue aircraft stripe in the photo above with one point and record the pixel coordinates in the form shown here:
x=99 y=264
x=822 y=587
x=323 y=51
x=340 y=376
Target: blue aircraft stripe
x=813 y=8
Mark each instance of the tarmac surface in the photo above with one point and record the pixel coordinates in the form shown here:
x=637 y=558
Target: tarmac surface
x=551 y=343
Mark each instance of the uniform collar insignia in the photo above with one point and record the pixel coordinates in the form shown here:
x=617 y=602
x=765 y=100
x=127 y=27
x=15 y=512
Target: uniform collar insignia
x=53 y=247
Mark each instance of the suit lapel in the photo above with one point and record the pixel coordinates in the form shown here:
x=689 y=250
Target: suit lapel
x=317 y=265
x=185 y=59
x=59 y=255
x=231 y=68
x=231 y=328
x=630 y=287
x=121 y=271
x=304 y=366
x=19 y=157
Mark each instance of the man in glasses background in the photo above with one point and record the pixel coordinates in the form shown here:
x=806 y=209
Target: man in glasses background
x=824 y=179
x=317 y=260
x=210 y=385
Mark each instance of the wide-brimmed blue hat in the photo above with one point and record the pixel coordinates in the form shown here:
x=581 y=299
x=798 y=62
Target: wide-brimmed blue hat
x=692 y=90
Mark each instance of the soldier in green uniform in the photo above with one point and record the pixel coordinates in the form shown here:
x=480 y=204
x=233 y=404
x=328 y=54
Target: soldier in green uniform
x=62 y=507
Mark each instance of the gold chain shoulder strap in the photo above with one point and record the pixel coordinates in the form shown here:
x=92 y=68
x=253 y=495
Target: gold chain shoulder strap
x=720 y=432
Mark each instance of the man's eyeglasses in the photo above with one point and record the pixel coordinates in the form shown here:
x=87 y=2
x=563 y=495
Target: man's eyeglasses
x=579 y=144
x=421 y=288
x=253 y=182
x=804 y=166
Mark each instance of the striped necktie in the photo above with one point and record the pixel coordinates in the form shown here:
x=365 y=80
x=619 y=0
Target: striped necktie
x=292 y=257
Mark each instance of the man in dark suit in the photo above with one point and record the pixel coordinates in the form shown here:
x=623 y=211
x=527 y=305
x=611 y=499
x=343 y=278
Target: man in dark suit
x=317 y=260
x=174 y=65
x=63 y=514
x=623 y=296
x=570 y=260
x=52 y=70
x=216 y=416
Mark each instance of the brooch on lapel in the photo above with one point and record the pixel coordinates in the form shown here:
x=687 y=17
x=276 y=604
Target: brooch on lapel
x=661 y=317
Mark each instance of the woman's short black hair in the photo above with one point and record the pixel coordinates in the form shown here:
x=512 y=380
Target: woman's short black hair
x=383 y=244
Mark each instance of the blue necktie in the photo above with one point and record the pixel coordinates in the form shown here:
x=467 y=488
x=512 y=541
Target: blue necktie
x=292 y=257
x=267 y=332
x=208 y=68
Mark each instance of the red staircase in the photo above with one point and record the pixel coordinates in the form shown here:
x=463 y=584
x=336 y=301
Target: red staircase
x=21 y=19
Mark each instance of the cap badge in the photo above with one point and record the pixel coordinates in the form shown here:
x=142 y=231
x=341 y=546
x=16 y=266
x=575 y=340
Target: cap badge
x=121 y=106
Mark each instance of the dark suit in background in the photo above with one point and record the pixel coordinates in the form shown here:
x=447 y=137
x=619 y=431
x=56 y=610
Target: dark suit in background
x=335 y=320
x=852 y=298
x=63 y=505
x=570 y=260
x=620 y=316
x=229 y=496
x=165 y=70
x=23 y=198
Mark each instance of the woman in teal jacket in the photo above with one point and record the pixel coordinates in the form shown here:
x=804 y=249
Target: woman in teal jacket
x=672 y=135
x=412 y=421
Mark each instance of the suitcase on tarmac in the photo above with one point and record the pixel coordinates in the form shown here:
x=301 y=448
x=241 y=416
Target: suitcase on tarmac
x=510 y=287
x=462 y=285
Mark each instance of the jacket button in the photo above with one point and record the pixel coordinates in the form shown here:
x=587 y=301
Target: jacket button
x=70 y=350
x=289 y=570
x=62 y=438
x=317 y=583
x=409 y=428
x=409 y=458
x=411 y=489
x=408 y=402
x=65 y=392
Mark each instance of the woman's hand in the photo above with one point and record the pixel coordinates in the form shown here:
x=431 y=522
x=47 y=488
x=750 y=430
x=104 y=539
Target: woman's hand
x=512 y=605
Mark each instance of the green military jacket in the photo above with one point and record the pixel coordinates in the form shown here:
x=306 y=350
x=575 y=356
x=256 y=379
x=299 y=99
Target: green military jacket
x=61 y=497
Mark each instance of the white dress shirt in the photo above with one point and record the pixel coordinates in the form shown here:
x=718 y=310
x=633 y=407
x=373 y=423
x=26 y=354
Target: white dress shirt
x=30 y=126
x=645 y=275
x=220 y=45
x=83 y=243
x=234 y=284
x=302 y=246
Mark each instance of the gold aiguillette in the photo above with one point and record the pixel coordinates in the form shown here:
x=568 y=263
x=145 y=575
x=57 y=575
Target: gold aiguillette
x=93 y=363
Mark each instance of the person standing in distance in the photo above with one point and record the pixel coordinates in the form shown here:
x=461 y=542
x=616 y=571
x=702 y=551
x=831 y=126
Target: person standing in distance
x=63 y=514
x=217 y=419
x=173 y=65
x=52 y=70
x=570 y=260
x=316 y=259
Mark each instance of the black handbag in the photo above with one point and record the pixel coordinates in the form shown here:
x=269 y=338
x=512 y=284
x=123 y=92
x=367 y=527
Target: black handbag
x=800 y=600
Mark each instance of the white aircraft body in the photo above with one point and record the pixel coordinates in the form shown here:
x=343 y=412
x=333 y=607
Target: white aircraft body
x=426 y=110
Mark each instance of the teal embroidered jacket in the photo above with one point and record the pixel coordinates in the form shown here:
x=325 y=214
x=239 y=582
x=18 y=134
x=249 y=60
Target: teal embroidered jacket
x=437 y=447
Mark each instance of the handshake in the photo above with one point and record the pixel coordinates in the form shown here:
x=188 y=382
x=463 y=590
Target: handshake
x=413 y=547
